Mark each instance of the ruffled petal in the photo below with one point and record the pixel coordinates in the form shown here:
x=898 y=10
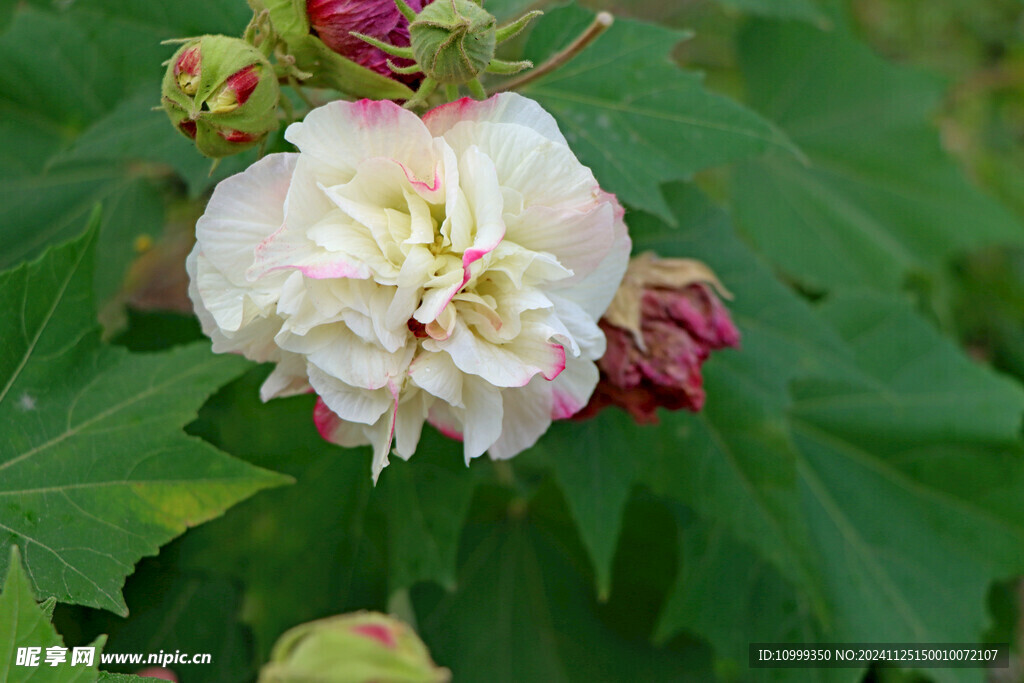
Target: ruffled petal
x=502 y=108
x=594 y=293
x=338 y=352
x=482 y=417
x=505 y=365
x=345 y=134
x=544 y=172
x=355 y=405
x=571 y=390
x=527 y=415
x=243 y=211
x=436 y=374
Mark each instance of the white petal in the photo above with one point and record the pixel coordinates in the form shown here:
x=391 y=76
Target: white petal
x=436 y=374
x=594 y=293
x=571 y=390
x=505 y=365
x=581 y=326
x=445 y=420
x=338 y=352
x=503 y=108
x=332 y=428
x=527 y=415
x=409 y=423
x=243 y=211
x=416 y=269
x=345 y=134
x=293 y=249
x=544 y=172
x=381 y=434
x=480 y=183
x=355 y=405
x=580 y=240
x=483 y=416
x=288 y=378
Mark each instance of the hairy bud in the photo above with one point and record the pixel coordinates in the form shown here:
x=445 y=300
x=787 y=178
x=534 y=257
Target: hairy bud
x=222 y=93
x=453 y=40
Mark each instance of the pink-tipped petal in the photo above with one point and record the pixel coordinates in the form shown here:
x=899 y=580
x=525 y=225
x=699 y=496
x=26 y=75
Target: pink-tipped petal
x=508 y=107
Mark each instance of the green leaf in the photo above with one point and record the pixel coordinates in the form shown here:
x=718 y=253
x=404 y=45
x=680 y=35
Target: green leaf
x=632 y=115
x=95 y=470
x=596 y=467
x=735 y=462
x=23 y=623
x=524 y=612
x=762 y=606
x=184 y=612
x=871 y=464
x=6 y=12
x=804 y=10
x=358 y=543
x=509 y=9
x=82 y=130
x=426 y=502
x=921 y=417
x=320 y=522
x=879 y=200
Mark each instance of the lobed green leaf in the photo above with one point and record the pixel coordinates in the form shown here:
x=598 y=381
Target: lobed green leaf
x=95 y=470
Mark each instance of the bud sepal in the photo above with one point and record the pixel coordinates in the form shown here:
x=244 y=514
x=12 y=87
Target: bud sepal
x=290 y=38
x=453 y=43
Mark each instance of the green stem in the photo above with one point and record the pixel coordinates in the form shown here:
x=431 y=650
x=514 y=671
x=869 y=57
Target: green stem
x=602 y=22
x=503 y=472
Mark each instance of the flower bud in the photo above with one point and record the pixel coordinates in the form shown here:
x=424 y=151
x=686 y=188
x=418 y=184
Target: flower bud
x=334 y=21
x=222 y=93
x=663 y=323
x=352 y=648
x=454 y=41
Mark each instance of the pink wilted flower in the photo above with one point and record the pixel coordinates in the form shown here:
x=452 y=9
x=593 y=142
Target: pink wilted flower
x=662 y=325
x=449 y=269
x=335 y=20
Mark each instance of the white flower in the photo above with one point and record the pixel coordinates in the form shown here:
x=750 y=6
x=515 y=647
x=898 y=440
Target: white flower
x=449 y=269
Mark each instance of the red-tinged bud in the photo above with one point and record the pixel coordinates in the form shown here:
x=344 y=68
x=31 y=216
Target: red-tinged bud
x=334 y=21
x=235 y=91
x=662 y=325
x=364 y=647
x=186 y=70
x=237 y=136
x=222 y=93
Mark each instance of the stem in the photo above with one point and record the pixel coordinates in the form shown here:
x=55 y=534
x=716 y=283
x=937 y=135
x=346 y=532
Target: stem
x=400 y=606
x=451 y=91
x=476 y=89
x=299 y=91
x=602 y=22
x=503 y=473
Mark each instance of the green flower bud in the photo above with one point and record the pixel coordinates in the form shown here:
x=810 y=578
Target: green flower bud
x=453 y=40
x=352 y=648
x=222 y=93
x=452 y=43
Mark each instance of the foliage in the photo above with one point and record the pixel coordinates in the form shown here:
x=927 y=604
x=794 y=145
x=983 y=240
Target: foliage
x=25 y=624
x=855 y=475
